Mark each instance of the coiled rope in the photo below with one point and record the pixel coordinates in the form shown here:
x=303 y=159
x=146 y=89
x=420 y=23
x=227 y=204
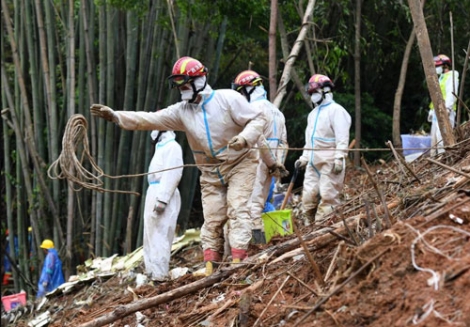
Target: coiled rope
x=75 y=150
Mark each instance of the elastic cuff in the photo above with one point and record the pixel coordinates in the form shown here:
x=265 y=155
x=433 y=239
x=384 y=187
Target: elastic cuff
x=239 y=254
x=211 y=255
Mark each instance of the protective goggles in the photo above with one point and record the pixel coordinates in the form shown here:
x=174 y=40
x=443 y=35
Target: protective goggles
x=256 y=81
x=237 y=87
x=178 y=80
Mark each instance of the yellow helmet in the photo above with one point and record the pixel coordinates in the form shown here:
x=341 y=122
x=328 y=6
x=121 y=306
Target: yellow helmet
x=47 y=244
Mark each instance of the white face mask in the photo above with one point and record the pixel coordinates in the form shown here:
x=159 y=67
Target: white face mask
x=186 y=94
x=259 y=92
x=439 y=70
x=316 y=98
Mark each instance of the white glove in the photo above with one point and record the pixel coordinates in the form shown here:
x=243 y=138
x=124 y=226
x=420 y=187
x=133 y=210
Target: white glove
x=301 y=162
x=430 y=115
x=338 y=166
x=102 y=111
x=237 y=142
x=159 y=207
x=278 y=170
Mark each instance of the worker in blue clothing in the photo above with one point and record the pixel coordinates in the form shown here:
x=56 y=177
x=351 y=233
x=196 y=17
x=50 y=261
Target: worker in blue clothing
x=51 y=274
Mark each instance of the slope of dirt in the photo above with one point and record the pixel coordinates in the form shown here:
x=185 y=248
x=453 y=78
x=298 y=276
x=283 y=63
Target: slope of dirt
x=415 y=273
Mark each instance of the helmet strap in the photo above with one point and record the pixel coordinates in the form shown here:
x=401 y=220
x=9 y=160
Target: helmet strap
x=196 y=92
x=315 y=104
x=247 y=94
x=157 y=139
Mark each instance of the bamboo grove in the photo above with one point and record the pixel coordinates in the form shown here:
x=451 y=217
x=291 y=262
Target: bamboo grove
x=60 y=56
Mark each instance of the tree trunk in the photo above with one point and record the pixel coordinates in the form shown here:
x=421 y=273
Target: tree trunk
x=220 y=47
x=49 y=63
x=70 y=41
x=285 y=78
x=125 y=139
x=35 y=81
x=87 y=15
x=8 y=189
x=28 y=131
x=357 y=83
x=462 y=87
x=21 y=149
x=399 y=92
x=138 y=139
x=99 y=228
x=285 y=52
x=109 y=156
x=272 y=50
x=430 y=72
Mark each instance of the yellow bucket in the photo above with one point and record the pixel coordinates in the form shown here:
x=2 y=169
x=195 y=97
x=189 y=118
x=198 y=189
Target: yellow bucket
x=277 y=222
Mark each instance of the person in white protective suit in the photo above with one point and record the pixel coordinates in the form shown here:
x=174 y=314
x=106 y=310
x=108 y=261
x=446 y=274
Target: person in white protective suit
x=162 y=203
x=221 y=126
x=327 y=133
x=250 y=84
x=448 y=82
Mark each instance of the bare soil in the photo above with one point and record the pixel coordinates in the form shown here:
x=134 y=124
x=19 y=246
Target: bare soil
x=415 y=273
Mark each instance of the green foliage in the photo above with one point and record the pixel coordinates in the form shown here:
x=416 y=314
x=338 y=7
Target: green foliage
x=376 y=125
x=139 y=6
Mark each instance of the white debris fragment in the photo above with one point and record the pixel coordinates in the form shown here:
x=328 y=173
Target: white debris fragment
x=456 y=219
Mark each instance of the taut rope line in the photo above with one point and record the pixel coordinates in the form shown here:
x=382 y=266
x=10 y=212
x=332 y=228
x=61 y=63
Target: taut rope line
x=75 y=149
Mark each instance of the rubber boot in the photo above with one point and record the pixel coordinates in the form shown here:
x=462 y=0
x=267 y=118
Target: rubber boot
x=308 y=216
x=321 y=216
x=211 y=258
x=238 y=255
x=209 y=268
x=258 y=236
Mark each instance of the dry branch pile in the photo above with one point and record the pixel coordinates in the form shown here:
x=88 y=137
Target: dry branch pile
x=417 y=272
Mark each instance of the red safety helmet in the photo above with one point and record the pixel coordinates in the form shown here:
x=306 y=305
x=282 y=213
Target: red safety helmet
x=185 y=70
x=318 y=81
x=246 y=78
x=441 y=59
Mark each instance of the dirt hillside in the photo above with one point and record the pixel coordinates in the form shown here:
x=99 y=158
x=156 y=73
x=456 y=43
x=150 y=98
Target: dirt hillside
x=396 y=254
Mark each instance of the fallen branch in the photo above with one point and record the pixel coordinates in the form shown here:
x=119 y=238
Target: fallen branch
x=336 y=290
x=303 y=283
x=402 y=162
x=122 y=311
x=315 y=267
x=333 y=261
x=272 y=299
x=321 y=240
x=448 y=168
x=440 y=213
x=320 y=237
x=379 y=193
x=231 y=302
